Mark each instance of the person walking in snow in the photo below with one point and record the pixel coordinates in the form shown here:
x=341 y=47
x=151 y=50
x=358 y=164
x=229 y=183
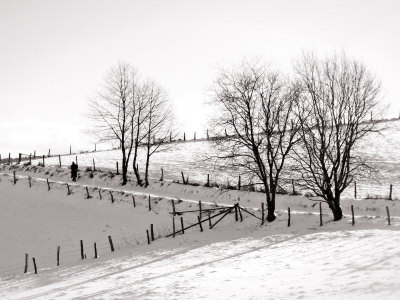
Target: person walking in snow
x=74 y=171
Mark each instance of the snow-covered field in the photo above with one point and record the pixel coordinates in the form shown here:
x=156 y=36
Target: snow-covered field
x=239 y=260
x=381 y=150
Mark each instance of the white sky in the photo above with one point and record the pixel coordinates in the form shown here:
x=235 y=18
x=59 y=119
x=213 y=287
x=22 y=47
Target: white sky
x=54 y=54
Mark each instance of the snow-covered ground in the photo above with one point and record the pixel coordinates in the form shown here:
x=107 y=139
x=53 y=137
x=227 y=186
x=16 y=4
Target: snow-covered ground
x=239 y=260
x=381 y=150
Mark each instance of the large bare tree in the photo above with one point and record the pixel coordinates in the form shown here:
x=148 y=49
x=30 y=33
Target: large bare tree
x=339 y=104
x=158 y=122
x=256 y=106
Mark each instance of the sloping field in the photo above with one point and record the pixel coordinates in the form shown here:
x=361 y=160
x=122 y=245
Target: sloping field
x=381 y=150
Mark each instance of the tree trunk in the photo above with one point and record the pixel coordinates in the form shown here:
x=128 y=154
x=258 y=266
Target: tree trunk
x=334 y=205
x=135 y=170
x=270 y=204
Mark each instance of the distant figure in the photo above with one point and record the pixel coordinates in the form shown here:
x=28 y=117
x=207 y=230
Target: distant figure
x=74 y=171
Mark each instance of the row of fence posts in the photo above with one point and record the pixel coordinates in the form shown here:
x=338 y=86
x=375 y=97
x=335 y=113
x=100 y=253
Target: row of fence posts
x=390 y=191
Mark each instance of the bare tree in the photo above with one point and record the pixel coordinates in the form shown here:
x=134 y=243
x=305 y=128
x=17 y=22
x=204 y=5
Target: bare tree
x=112 y=111
x=158 y=124
x=339 y=101
x=257 y=106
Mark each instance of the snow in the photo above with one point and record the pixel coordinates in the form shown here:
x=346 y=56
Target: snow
x=379 y=149
x=239 y=260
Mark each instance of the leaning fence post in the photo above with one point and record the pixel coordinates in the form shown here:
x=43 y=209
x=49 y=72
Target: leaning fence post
x=82 y=255
x=100 y=195
x=201 y=227
x=148 y=238
x=236 y=213
x=133 y=200
x=388 y=215
x=58 y=256
x=48 y=184
x=34 y=264
x=26 y=263
x=209 y=221
x=390 y=192
x=111 y=243
x=95 y=250
x=183 y=178
x=87 y=193
x=352 y=215
x=320 y=214
x=288 y=221
x=262 y=213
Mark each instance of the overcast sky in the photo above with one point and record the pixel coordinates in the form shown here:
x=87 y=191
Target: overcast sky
x=54 y=54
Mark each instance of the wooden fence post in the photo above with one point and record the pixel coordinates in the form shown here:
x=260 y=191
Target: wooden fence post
x=173 y=208
x=95 y=250
x=207 y=135
x=43 y=161
x=226 y=134
x=390 y=192
x=239 y=183
x=173 y=227
x=149 y=203
x=111 y=243
x=15 y=179
x=133 y=201
x=87 y=193
x=262 y=213
x=48 y=184
x=320 y=214
x=194 y=138
x=162 y=175
x=70 y=149
x=76 y=159
x=26 y=263
x=34 y=265
x=82 y=254
x=117 y=169
x=170 y=137
x=29 y=179
x=112 y=197
x=355 y=189
x=240 y=213
x=200 y=211
x=201 y=227
x=183 y=178
x=68 y=190
x=209 y=221
x=9 y=158
x=19 y=158
x=59 y=161
x=288 y=221
x=208 y=179
x=152 y=232
x=183 y=228
x=100 y=195
x=58 y=256
x=49 y=153
x=236 y=213
x=388 y=215
x=184 y=136
x=148 y=238
x=30 y=159
x=352 y=215
x=94 y=165
x=293 y=188
x=34 y=154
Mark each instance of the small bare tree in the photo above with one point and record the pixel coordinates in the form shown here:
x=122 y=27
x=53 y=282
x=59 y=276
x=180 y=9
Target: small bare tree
x=256 y=106
x=339 y=103
x=158 y=122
